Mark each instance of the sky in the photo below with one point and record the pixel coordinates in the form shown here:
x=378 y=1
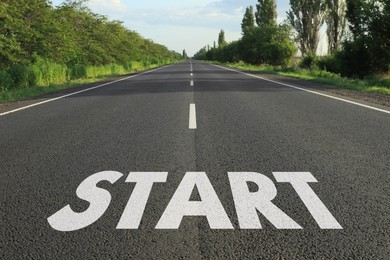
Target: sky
x=181 y=24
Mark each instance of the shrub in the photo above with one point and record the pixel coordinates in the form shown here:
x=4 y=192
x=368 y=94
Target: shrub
x=6 y=81
x=136 y=65
x=117 y=69
x=355 y=59
x=23 y=76
x=107 y=70
x=267 y=45
x=78 y=71
x=309 y=61
x=47 y=72
x=330 y=62
x=146 y=63
x=128 y=66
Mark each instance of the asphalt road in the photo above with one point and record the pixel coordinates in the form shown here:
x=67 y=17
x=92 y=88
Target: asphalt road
x=244 y=124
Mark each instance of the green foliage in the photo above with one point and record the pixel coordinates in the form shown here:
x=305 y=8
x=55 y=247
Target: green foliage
x=355 y=59
x=267 y=44
x=221 y=38
x=226 y=53
x=249 y=19
x=6 y=81
x=370 y=25
x=375 y=84
x=78 y=74
x=47 y=72
x=184 y=55
x=102 y=71
x=309 y=61
x=69 y=34
x=266 y=13
x=77 y=71
x=22 y=76
x=11 y=51
x=330 y=62
x=42 y=45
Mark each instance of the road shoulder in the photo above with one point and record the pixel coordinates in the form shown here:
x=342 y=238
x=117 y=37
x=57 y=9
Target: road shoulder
x=380 y=101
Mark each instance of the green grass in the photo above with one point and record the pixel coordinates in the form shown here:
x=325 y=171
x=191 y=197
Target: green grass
x=95 y=74
x=373 y=84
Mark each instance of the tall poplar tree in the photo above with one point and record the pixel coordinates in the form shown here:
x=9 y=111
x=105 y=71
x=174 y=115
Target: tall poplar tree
x=249 y=19
x=307 y=17
x=336 y=21
x=266 y=13
x=221 y=38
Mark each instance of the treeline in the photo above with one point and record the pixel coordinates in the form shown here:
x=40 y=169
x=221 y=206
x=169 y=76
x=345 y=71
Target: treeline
x=358 y=33
x=263 y=40
x=41 y=44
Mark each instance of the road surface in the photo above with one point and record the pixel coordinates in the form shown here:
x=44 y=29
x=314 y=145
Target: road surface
x=237 y=123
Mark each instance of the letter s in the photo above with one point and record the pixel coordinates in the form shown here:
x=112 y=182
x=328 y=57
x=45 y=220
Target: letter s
x=68 y=220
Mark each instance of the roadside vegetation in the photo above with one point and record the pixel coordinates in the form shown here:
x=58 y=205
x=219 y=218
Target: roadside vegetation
x=45 y=48
x=376 y=84
x=358 y=39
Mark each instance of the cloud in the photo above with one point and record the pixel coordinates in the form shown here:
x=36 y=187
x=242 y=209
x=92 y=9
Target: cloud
x=108 y=6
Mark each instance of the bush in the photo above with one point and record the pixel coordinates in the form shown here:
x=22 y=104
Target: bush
x=330 y=62
x=146 y=63
x=107 y=70
x=128 y=66
x=355 y=59
x=227 y=52
x=309 y=61
x=267 y=45
x=6 y=81
x=378 y=81
x=78 y=71
x=47 y=72
x=23 y=76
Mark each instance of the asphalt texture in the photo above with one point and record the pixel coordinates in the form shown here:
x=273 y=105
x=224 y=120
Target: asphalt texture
x=244 y=124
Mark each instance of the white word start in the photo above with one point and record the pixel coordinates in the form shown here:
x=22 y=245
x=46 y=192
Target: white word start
x=247 y=203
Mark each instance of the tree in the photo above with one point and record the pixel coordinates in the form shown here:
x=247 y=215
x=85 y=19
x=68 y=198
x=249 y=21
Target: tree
x=11 y=51
x=23 y=29
x=221 y=38
x=268 y=44
x=185 y=55
x=368 y=51
x=307 y=17
x=69 y=34
x=249 y=19
x=201 y=54
x=266 y=13
x=336 y=21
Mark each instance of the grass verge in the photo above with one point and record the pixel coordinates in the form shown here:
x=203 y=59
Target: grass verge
x=17 y=94
x=373 y=84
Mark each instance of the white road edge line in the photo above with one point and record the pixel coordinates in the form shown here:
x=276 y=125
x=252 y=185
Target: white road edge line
x=192 y=83
x=192 y=123
x=306 y=90
x=78 y=92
